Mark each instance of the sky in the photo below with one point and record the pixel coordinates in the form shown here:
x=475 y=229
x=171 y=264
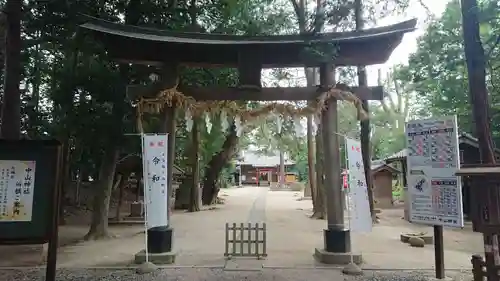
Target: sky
x=409 y=43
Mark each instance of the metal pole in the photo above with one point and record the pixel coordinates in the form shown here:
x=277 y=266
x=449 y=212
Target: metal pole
x=439 y=251
x=145 y=197
x=347 y=193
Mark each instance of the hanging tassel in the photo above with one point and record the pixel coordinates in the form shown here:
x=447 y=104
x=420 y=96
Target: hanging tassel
x=315 y=124
x=140 y=128
x=189 y=120
x=224 y=124
x=317 y=119
x=278 y=123
x=238 y=125
x=298 y=126
x=208 y=123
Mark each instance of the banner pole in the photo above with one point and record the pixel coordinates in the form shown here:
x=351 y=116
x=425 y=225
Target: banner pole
x=348 y=192
x=146 y=197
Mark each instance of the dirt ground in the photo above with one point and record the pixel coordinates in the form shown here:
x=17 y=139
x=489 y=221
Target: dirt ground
x=292 y=237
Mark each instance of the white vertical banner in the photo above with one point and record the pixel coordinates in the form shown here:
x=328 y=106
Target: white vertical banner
x=155 y=174
x=357 y=200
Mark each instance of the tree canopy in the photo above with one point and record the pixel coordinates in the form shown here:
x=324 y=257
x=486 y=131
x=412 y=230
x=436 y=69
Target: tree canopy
x=437 y=72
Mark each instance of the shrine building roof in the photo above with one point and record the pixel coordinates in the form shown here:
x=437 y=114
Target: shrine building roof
x=135 y=44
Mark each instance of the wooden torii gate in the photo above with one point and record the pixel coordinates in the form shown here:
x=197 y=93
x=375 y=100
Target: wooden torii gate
x=250 y=54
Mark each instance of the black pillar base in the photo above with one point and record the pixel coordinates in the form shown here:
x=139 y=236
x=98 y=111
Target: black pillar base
x=337 y=241
x=160 y=239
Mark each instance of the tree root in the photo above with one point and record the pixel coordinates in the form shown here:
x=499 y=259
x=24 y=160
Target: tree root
x=95 y=235
x=318 y=216
x=194 y=209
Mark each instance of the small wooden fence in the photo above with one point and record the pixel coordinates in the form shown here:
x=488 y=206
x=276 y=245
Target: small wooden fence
x=480 y=272
x=245 y=240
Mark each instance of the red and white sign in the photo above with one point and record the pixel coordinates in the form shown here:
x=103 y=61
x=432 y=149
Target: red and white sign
x=344 y=179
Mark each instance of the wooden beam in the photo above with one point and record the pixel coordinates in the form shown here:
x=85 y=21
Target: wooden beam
x=249 y=67
x=265 y=94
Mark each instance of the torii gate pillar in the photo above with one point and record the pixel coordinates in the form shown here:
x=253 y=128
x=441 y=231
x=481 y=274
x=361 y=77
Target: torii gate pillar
x=337 y=238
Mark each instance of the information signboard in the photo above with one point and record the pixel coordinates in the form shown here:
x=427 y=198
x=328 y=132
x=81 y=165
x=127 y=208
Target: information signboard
x=28 y=190
x=435 y=192
x=357 y=199
x=17 y=180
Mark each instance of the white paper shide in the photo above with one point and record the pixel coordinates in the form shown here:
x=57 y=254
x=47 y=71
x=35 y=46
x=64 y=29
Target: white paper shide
x=435 y=193
x=17 y=186
x=358 y=205
x=155 y=171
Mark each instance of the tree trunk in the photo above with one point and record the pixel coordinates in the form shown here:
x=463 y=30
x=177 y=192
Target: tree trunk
x=67 y=181
x=79 y=181
x=311 y=77
x=194 y=200
x=300 y=7
x=3 y=41
x=99 y=223
x=139 y=186
x=282 y=168
x=11 y=106
x=320 y=212
x=310 y=161
x=215 y=166
x=478 y=94
x=33 y=105
x=366 y=155
x=168 y=126
x=66 y=105
x=120 y=184
x=365 y=124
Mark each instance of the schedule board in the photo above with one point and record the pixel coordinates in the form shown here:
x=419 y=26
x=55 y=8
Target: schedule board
x=435 y=192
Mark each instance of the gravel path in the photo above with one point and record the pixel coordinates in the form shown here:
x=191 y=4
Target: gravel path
x=206 y=274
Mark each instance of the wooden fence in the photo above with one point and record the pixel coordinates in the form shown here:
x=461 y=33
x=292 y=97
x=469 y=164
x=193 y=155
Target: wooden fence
x=245 y=240
x=481 y=272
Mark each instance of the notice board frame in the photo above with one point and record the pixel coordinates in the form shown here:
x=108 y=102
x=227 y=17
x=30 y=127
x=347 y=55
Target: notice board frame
x=43 y=228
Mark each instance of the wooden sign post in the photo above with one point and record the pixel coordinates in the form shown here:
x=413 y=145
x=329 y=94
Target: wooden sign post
x=30 y=195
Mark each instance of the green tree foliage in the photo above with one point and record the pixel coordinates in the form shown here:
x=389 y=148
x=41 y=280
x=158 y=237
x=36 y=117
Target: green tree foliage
x=389 y=116
x=437 y=70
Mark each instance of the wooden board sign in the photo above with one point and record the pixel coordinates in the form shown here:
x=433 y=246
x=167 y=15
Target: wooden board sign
x=29 y=190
